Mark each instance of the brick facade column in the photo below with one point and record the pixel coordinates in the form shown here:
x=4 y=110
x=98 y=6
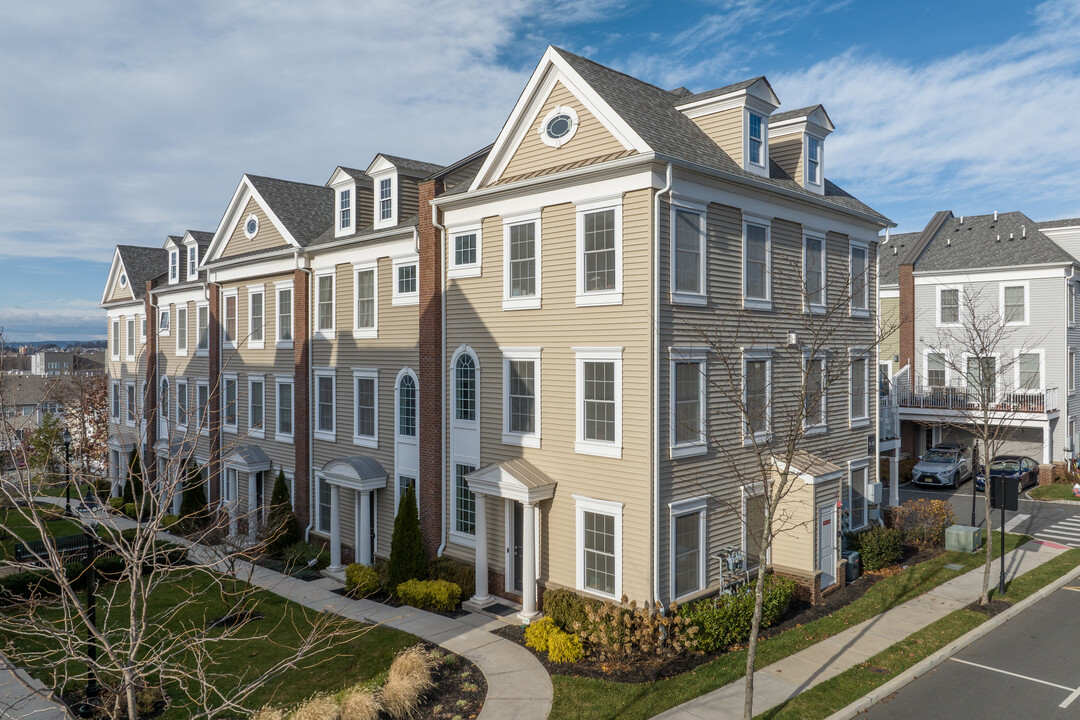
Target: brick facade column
x=430 y=482
x=150 y=401
x=907 y=320
x=301 y=397
x=213 y=475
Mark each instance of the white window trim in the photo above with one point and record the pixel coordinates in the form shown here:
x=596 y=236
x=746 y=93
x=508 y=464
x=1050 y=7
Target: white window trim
x=321 y=373
x=339 y=229
x=859 y=312
x=202 y=352
x=559 y=141
x=585 y=298
x=823 y=426
x=1071 y=370
x=692 y=506
x=183 y=381
x=1042 y=370
x=855 y=465
x=1027 y=301
x=140 y=321
x=998 y=380
x=116 y=341
x=758 y=303
x=959 y=305
x=398 y=437
x=181 y=351
x=531 y=440
x=699 y=446
x=226 y=378
x=365 y=440
x=129 y=338
x=174 y=266
x=760 y=168
x=816 y=308
x=116 y=409
x=204 y=426
x=319 y=480
x=602 y=507
x=279 y=286
x=279 y=380
x=234 y=293
x=598 y=354
x=685 y=297
x=454 y=420
x=853 y=355
x=372 y=332
x=250 y=235
x=756 y=354
x=459 y=536
x=748 y=491
x=165 y=318
x=376 y=179
x=331 y=332
x=257 y=432
x=132 y=402
x=164 y=406
x=1071 y=299
x=464 y=270
x=411 y=298
x=529 y=302
x=257 y=289
x=192 y=267
x=926 y=353
x=817 y=182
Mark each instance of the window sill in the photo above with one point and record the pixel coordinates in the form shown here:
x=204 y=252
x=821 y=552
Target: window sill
x=365 y=334
x=367 y=442
x=526 y=303
x=325 y=335
x=202 y=353
x=278 y=437
x=758 y=438
x=860 y=313
x=464 y=271
x=594 y=299
x=696 y=594
x=530 y=441
x=163 y=333
x=689 y=450
x=256 y=345
x=325 y=436
x=410 y=299
x=685 y=298
x=284 y=345
x=756 y=304
x=231 y=429
x=856 y=423
x=257 y=434
x=610 y=450
x=815 y=430
x=815 y=310
x=181 y=353
x=459 y=538
x=228 y=344
x=598 y=594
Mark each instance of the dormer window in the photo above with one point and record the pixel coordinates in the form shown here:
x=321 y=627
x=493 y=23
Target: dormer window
x=345 y=209
x=386 y=199
x=192 y=262
x=756 y=149
x=174 y=266
x=813 y=161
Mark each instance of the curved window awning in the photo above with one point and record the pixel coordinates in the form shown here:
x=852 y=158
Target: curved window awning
x=811 y=468
x=248 y=458
x=120 y=441
x=516 y=479
x=358 y=472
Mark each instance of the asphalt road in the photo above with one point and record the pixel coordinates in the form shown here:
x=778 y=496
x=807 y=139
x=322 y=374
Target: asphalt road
x=1046 y=521
x=1027 y=668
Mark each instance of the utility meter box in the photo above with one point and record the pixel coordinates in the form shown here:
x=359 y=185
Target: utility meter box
x=873 y=493
x=963 y=538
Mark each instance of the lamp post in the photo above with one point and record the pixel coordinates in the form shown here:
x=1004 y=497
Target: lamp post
x=67 y=473
x=90 y=706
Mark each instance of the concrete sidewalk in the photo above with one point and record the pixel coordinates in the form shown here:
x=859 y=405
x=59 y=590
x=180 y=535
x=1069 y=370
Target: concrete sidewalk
x=786 y=678
x=24 y=698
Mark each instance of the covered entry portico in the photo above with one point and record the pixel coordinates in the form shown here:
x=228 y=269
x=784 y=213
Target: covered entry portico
x=120 y=447
x=520 y=481
x=363 y=475
x=251 y=460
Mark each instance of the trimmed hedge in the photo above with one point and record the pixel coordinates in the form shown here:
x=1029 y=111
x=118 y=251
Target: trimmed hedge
x=361 y=580
x=725 y=620
x=116 y=503
x=26 y=585
x=447 y=568
x=429 y=594
x=880 y=547
x=298 y=555
x=131 y=510
x=566 y=608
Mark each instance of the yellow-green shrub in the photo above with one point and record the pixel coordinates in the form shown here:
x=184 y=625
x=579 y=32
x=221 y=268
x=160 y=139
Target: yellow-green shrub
x=564 y=647
x=538 y=633
x=361 y=580
x=429 y=594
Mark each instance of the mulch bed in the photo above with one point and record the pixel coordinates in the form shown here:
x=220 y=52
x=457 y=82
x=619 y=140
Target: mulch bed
x=386 y=598
x=992 y=608
x=650 y=669
x=460 y=688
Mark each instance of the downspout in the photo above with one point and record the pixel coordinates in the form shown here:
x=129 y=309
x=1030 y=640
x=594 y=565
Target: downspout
x=656 y=376
x=1069 y=309
x=877 y=375
x=442 y=377
x=311 y=400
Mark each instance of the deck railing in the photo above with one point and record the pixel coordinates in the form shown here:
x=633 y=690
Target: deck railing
x=1003 y=399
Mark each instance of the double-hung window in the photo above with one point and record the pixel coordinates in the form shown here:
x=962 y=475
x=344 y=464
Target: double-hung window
x=229 y=327
x=1014 y=305
x=256 y=317
x=202 y=405
x=982 y=379
x=345 y=209
x=687 y=546
x=163 y=401
x=324 y=304
x=814 y=273
x=465 y=252
x=521 y=396
x=859 y=279
x=192 y=262
x=755 y=139
x=1029 y=371
x=132 y=404
x=115 y=401
x=325 y=404
x=406 y=420
x=599 y=546
x=860 y=389
x=1072 y=370
x=163 y=323
x=688 y=256
x=464 y=501
x=232 y=402
x=688 y=405
x=181 y=330
x=367 y=302
x=406 y=283
x=813 y=161
x=948 y=306
x=115 y=349
x=256 y=405
x=814 y=392
x=325 y=511
x=386 y=199
x=599 y=233
x=757 y=395
x=599 y=393
x=131 y=339
x=465 y=386
x=284 y=432
x=853 y=496
x=757 y=266
x=521 y=265
x=284 y=314
x=174 y=266
x=181 y=402
x=202 y=329
x=936 y=369
x=366 y=407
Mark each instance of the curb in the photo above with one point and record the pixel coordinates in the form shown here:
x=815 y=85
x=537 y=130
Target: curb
x=932 y=661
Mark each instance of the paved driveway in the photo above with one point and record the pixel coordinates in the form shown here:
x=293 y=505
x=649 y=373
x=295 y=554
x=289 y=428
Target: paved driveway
x=1027 y=668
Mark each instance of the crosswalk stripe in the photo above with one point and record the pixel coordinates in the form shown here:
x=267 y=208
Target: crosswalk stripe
x=1069 y=521
x=1061 y=530
x=1015 y=521
x=1058 y=536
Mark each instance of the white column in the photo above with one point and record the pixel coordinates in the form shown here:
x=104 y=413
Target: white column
x=335 y=527
x=231 y=490
x=894 y=478
x=252 y=508
x=1048 y=444
x=481 y=596
x=528 y=564
x=363 y=527
x=118 y=474
x=178 y=493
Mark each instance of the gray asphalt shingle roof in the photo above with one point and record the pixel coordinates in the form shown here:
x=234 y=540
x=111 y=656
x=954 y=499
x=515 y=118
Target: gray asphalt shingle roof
x=305 y=210
x=889 y=262
x=716 y=92
x=413 y=167
x=1067 y=222
x=792 y=114
x=142 y=264
x=358 y=175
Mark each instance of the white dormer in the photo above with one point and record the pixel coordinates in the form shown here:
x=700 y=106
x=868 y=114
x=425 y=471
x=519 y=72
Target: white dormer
x=384 y=179
x=345 y=202
x=191 y=251
x=798 y=139
x=737 y=119
x=174 y=264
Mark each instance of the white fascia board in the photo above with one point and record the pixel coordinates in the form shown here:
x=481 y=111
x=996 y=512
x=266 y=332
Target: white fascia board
x=247 y=271
x=245 y=191
x=398 y=247
x=128 y=309
x=885 y=294
x=114 y=272
x=339 y=177
x=969 y=275
x=189 y=294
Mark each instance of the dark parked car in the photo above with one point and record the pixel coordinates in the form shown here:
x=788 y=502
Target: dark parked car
x=947 y=464
x=1014 y=466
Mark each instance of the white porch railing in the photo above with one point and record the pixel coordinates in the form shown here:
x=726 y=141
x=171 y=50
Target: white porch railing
x=1004 y=399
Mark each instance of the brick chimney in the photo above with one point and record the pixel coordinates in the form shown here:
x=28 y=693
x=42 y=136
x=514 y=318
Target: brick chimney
x=301 y=398
x=213 y=418
x=150 y=403
x=430 y=483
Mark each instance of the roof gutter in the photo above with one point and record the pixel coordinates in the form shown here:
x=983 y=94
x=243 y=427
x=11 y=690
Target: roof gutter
x=442 y=380
x=297 y=252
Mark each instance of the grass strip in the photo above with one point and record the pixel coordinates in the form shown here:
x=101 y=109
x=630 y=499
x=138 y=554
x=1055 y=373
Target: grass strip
x=578 y=698
x=1058 y=491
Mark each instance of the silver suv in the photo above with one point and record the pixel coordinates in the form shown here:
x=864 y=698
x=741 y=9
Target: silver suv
x=948 y=465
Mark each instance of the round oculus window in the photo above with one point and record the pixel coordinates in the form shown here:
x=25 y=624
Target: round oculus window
x=559 y=126
x=251 y=226
x=123 y=280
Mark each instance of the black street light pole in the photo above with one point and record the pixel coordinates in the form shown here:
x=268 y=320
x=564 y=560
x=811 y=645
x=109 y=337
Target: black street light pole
x=67 y=473
x=986 y=480
x=1001 y=530
x=92 y=704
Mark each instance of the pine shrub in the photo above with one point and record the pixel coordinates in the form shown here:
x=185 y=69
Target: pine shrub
x=567 y=608
x=193 y=503
x=408 y=559
x=726 y=620
x=447 y=568
x=282 y=524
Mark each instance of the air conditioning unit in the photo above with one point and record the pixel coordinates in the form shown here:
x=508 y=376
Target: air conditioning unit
x=873 y=493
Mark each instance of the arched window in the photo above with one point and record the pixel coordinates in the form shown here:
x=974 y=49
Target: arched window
x=465 y=388
x=407 y=406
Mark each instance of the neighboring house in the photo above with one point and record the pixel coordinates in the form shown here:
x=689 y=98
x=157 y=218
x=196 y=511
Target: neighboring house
x=501 y=334
x=1012 y=268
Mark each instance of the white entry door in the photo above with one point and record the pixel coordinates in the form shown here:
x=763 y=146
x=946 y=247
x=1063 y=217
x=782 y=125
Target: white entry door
x=827 y=544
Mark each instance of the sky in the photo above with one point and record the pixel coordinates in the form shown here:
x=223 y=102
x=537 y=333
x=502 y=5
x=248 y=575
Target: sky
x=124 y=122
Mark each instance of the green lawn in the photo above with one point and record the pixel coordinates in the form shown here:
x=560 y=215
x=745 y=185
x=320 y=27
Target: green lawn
x=21 y=528
x=580 y=698
x=1058 y=491
x=360 y=657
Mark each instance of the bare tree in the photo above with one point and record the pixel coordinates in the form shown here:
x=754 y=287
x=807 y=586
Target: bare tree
x=970 y=364
x=127 y=641
x=779 y=383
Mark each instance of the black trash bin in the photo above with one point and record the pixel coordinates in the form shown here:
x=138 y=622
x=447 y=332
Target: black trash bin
x=854 y=565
